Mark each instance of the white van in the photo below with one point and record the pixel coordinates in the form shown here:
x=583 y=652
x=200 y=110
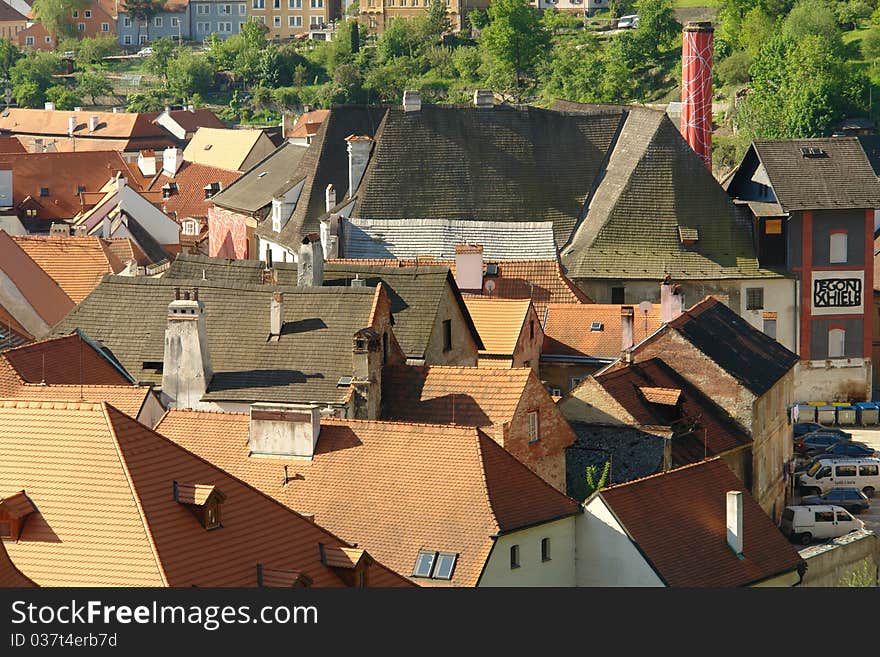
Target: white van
x=827 y=473
x=627 y=22
x=802 y=524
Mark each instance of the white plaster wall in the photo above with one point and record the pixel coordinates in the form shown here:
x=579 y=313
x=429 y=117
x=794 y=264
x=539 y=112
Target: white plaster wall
x=279 y=253
x=833 y=380
x=558 y=571
x=20 y=308
x=605 y=554
x=779 y=297
x=162 y=227
x=151 y=412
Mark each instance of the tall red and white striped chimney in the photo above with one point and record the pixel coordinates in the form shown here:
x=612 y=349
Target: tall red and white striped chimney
x=696 y=88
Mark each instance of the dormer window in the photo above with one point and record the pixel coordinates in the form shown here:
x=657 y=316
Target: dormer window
x=169 y=189
x=203 y=501
x=280 y=578
x=211 y=189
x=14 y=511
x=350 y=564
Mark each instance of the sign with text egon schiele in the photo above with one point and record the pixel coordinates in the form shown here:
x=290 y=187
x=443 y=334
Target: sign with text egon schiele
x=838 y=292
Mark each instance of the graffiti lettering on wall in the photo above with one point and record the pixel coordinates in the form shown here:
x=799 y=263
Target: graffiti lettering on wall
x=837 y=293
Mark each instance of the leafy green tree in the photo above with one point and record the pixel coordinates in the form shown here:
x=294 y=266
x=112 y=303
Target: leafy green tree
x=398 y=40
x=620 y=8
x=477 y=19
x=92 y=84
x=9 y=54
x=620 y=61
x=163 y=54
x=55 y=15
x=92 y=51
x=150 y=101
x=595 y=478
x=189 y=74
x=854 y=11
x=64 y=98
x=515 y=38
x=575 y=70
x=864 y=575
x=554 y=20
x=657 y=28
x=31 y=76
x=757 y=28
x=353 y=9
x=811 y=17
x=437 y=22
x=143 y=12
x=28 y=94
x=870 y=45
x=467 y=62
x=734 y=69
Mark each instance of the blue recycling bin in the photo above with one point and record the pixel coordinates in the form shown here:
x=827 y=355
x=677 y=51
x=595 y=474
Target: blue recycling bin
x=867 y=413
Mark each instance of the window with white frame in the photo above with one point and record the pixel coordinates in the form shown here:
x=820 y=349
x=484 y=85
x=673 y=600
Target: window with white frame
x=190 y=228
x=105 y=27
x=88 y=13
x=224 y=28
x=294 y=4
x=126 y=40
x=203 y=9
x=175 y=21
x=534 y=427
x=259 y=4
x=294 y=21
x=262 y=20
x=276 y=21
x=317 y=4
x=126 y=22
x=29 y=41
x=227 y=9
x=837 y=247
x=158 y=21
x=143 y=39
x=836 y=343
x=203 y=27
x=81 y=27
x=75 y=13
x=276 y=4
x=242 y=9
x=48 y=39
x=317 y=20
x=240 y=27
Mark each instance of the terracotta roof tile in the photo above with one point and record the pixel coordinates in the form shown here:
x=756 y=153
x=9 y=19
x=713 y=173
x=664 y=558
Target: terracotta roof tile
x=69 y=359
x=17 y=505
x=223 y=148
x=75 y=263
x=499 y=322
x=467 y=396
x=340 y=557
x=405 y=485
x=10 y=576
x=668 y=396
x=134 y=533
x=126 y=250
x=307 y=125
x=678 y=521
x=567 y=329
x=111 y=125
x=191 y=179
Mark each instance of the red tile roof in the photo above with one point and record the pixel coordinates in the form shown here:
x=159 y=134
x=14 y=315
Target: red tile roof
x=499 y=322
x=307 y=125
x=567 y=329
x=678 y=520
x=66 y=360
x=126 y=250
x=10 y=576
x=191 y=179
x=700 y=427
x=11 y=144
x=404 y=486
x=133 y=533
x=190 y=121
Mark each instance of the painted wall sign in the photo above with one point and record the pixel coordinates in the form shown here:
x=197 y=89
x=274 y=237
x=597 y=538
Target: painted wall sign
x=838 y=292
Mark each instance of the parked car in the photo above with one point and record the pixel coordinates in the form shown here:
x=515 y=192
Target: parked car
x=803 y=428
x=851 y=499
x=847 y=448
x=145 y=52
x=827 y=473
x=802 y=524
x=628 y=22
x=818 y=440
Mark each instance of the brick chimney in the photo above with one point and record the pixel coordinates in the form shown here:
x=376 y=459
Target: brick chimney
x=671 y=300
x=469 y=267
x=276 y=314
x=735 y=522
x=186 y=367
x=310 y=265
x=284 y=430
x=359 y=149
x=696 y=88
x=366 y=363
x=627 y=331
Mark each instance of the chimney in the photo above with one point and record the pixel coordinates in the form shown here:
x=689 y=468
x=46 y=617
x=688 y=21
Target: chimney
x=172 y=159
x=359 y=148
x=49 y=106
x=93 y=123
x=484 y=98
x=366 y=369
x=117 y=110
x=147 y=163
x=330 y=236
x=59 y=230
x=696 y=88
x=106 y=226
x=330 y=197
x=276 y=314
x=284 y=430
x=77 y=109
x=186 y=367
x=671 y=300
x=469 y=267
x=412 y=101
x=735 y=522
x=310 y=266
x=191 y=109
x=627 y=331
x=80 y=230
x=121 y=182
x=71 y=125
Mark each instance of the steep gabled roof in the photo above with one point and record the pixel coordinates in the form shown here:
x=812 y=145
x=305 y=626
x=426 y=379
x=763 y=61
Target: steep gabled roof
x=223 y=148
x=499 y=322
x=114 y=521
x=188 y=200
x=128 y=316
x=71 y=359
x=568 y=332
x=677 y=519
x=406 y=486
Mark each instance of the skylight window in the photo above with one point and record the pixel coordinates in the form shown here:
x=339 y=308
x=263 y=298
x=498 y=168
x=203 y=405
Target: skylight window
x=435 y=565
x=208 y=146
x=596 y=326
x=261 y=174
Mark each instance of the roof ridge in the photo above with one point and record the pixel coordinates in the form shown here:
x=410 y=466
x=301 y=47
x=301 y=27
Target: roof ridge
x=105 y=407
x=79 y=404
x=665 y=472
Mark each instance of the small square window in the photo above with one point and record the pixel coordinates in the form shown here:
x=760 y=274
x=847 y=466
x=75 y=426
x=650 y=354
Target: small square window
x=88 y=13
x=545 y=549
x=754 y=298
x=514 y=556
x=617 y=295
x=773 y=227
x=837 y=248
x=44 y=191
x=575 y=381
x=424 y=563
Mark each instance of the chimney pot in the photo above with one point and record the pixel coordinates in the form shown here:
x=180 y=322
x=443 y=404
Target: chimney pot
x=627 y=330
x=186 y=364
x=412 y=101
x=484 y=98
x=735 y=521
x=284 y=430
x=671 y=300
x=276 y=313
x=310 y=266
x=330 y=197
x=93 y=123
x=71 y=125
x=359 y=149
x=50 y=106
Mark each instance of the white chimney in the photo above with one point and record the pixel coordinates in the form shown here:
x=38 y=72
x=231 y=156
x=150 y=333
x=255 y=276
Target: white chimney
x=80 y=230
x=71 y=125
x=484 y=98
x=735 y=521
x=172 y=160
x=6 y=188
x=671 y=300
x=310 y=265
x=147 y=163
x=627 y=329
x=186 y=366
x=330 y=236
x=469 y=267
x=191 y=108
x=117 y=110
x=93 y=123
x=284 y=430
x=121 y=182
x=105 y=228
x=59 y=230
x=412 y=101
x=49 y=106
x=77 y=109
x=276 y=313
x=359 y=149
x=330 y=197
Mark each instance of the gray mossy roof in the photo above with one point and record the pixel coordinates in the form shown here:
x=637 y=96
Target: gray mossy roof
x=128 y=316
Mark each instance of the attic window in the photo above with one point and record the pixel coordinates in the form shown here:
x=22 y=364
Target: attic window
x=344 y=381
x=211 y=189
x=203 y=501
x=492 y=269
x=44 y=191
x=169 y=189
x=435 y=565
x=596 y=326
x=14 y=511
x=813 y=152
x=688 y=236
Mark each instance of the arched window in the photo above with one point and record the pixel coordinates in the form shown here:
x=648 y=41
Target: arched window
x=836 y=343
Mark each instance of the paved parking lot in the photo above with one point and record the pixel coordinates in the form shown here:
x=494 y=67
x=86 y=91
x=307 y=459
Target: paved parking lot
x=871 y=437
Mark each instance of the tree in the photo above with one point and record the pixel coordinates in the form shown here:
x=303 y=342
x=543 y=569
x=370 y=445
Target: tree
x=870 y=45
x=55 y=15
x=814 y=17
x=477 y=19
x=575 y=70
x=92 y=51
x=595 y=479
x=9 y=54
x=64 y=98
x=620 y=8
x=437 y=22
x=353 y=9
x=515 y=38
x=865 y=575
x=189 y=74
x=31 y=76
x=734 y=69
x=163 y=54
x=93 y=84
x=657 y=27
x=144 y=11
x=757 y=28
